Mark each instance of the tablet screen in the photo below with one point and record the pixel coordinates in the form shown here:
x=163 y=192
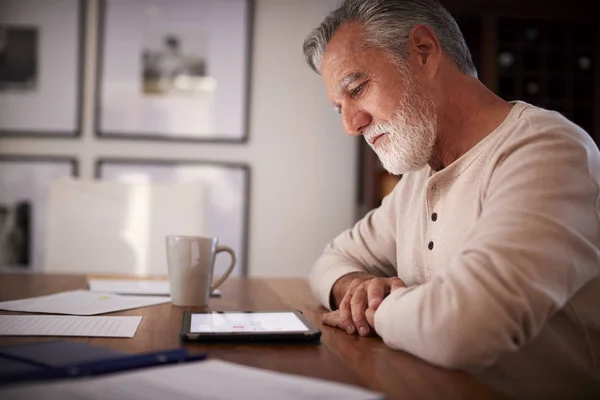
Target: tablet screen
x=246 y=322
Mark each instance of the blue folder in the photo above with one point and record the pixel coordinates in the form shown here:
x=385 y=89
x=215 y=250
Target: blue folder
x=66 y=359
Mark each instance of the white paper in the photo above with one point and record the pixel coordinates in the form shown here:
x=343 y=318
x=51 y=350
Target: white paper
x=51 y=325
x=122 y=286
x=200 y=380
x=134 y=286
x=81 y=302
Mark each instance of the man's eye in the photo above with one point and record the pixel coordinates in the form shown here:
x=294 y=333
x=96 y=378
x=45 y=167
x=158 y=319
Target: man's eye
x=354 y=92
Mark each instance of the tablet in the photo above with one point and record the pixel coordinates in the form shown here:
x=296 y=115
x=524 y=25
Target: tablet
x=248 y=326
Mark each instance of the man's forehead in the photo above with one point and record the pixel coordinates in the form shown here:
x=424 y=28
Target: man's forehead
x=342 y=61
x=349 y=36
x=344 y=46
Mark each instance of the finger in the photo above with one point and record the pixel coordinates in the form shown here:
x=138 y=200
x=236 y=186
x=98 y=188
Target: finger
x=376 y=292
x=370 y=316
x=397 y=283
x=332 y=319
x=346 y=313
x=358 y=306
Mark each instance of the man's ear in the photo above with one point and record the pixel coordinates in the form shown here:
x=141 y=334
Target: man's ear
x=424 y=49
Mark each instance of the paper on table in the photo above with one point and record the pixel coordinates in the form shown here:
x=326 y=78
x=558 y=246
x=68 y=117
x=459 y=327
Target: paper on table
x=134 y=286
x=81 y=302
x=201 y=380
x=52 y=325
x=149 y=287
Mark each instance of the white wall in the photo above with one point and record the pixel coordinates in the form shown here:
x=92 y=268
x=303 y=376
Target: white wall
x=303 y=166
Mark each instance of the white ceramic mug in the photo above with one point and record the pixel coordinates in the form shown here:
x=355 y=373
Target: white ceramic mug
x=191 y=260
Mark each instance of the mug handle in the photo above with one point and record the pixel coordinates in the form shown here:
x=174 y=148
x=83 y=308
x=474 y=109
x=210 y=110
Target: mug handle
x=220 y=281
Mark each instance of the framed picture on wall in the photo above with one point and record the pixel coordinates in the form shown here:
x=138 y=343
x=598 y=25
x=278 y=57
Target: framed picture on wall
x=24 y=187
x=174 y=70
x=41 y=62
x=226 y=197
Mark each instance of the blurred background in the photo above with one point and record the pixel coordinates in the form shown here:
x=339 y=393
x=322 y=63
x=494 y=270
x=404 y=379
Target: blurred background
x=122 y=121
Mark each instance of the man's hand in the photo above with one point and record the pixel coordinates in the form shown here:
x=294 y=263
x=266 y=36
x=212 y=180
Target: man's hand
x=363 y=295
x=334 y=318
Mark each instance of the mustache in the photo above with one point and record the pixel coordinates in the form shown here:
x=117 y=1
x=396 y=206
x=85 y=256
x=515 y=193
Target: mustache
x=373 y=131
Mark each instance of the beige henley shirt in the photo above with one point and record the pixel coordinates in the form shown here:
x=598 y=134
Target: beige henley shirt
x=501 y=254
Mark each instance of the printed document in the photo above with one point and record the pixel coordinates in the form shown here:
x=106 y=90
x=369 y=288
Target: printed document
x=60 y=325
x=149 y=287
x=131 y=286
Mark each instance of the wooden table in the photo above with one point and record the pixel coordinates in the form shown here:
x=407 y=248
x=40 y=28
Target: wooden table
x=340 y=357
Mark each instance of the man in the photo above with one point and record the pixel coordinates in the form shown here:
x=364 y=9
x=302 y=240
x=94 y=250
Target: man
x=486 y=256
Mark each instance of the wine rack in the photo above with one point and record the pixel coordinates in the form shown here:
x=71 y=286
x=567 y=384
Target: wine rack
x=549 y=64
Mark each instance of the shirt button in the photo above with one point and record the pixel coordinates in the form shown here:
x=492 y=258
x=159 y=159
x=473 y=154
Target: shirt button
x=430 y=245
x=434 y=217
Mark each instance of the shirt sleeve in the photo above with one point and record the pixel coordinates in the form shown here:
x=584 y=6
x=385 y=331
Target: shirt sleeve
x=537 y=242
x=370 y=246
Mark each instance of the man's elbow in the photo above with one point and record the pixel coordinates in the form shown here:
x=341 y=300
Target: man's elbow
x=459 y=351
x=456 y=356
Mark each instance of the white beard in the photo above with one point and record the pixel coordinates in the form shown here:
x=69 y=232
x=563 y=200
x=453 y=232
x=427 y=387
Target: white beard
x=410 y=134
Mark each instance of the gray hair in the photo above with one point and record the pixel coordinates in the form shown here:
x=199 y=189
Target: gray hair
x=387 y=25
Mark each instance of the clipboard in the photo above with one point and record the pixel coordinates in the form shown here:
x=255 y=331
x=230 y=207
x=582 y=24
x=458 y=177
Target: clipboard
x=66 y=359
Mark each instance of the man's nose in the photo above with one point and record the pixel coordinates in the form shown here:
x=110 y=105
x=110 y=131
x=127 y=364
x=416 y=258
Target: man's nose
x=355 y=121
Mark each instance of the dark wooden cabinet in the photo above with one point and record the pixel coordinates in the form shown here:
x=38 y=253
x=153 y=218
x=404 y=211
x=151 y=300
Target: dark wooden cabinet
x=546 y=53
